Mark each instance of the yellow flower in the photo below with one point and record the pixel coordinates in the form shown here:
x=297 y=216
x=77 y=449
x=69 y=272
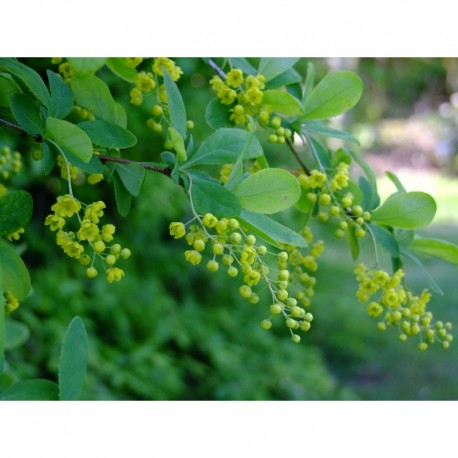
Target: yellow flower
x=177 y=230
x=114 y=274
x=234 y=78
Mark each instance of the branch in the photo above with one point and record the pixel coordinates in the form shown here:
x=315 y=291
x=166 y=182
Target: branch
x=296 y=155
x=167 y=171
x=38 y=138
x=217 y=68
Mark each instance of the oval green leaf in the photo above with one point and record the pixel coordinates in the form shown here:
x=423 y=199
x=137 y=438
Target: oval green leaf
x=107 y=134
x=439 y=248
x=132 y=176
x=270 y=230
x=225 y=146
x=217 y=115
x=62 y=96
x=176 y=105
x=118 y=65
x=16 y=278
x=268 y=191
x=32 y=390
x=122 y=195
x=27 y=113
x=93 y=93
x=86 y=66
x=209 y=196
x=70 y=137
x=7 y=87
x=29 y=77
x=270 y=67
x=282 y=102
x=15 y=211
x=336 y=93
x=407 y=210
x=73 y=361
x=16 y=334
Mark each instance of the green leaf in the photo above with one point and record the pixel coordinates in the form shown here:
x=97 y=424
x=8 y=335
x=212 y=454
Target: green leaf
x=122 y=195
x=29 y=77
x=270 y=230
x=209 y=196
x=86 y=66
x=268 y=191
x=132 y=176
x=374 y=200
x=243 y=64
x=396 y=181
x=70 y=137
x=73 y=361
x=16 y=334
x=62 y=96
x=353 y=241
x=178 y=145
x=93 y=166
x=16 y=278
x=217 y=115
x=120 y=116
x=7 y=87
x=287 y=78
x=407 y=210
x=319 y=128
x=270 y=67
x=176 y=105
x=15 y=211
x=93 y=93
x=27 y=114
x=336 y=93
x=282 y=102
x=32 y=390
x=225 y=146
x=49 y=158
x=386 y=240
x=118 y=65
x=438 y=248
x=309 y=82
x=107 y=134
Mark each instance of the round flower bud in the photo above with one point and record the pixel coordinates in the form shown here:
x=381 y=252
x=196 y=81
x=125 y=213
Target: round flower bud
x=236 y=238
x=125 y=253
x=272 y=138
x=110 y=259
x=218 y=249
x=212 y=266
x=296 y=338
x=99 y=247
x=282 y=295
x=232 y=271
x=199 y=245
x=266 y=324
x=250 y=240
x=292 y=324
x=261 y=250
x=115 y=249
x=91 y=272
x=245 y=291
x=275 y=309
x=305 y=326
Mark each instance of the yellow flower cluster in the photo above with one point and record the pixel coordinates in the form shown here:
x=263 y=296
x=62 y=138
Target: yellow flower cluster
x=89 y=236
x=10 y=163
x=399 y=307
x=333 y=200
x=230 y=247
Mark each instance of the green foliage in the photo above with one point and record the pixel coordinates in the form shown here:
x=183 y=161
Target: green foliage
x=70 y=137
x=268 y=191
x=336 y=93
x=228 y=178
x=15 y=211
x=410 y=210
x=73 y=361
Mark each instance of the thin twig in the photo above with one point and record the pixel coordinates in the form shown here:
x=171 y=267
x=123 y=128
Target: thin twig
x=296 y=155
x=217 y=68
x=166 y=171
x=38 y=138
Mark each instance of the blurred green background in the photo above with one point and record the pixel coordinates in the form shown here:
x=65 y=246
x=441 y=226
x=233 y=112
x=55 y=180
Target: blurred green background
x=170 y=331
